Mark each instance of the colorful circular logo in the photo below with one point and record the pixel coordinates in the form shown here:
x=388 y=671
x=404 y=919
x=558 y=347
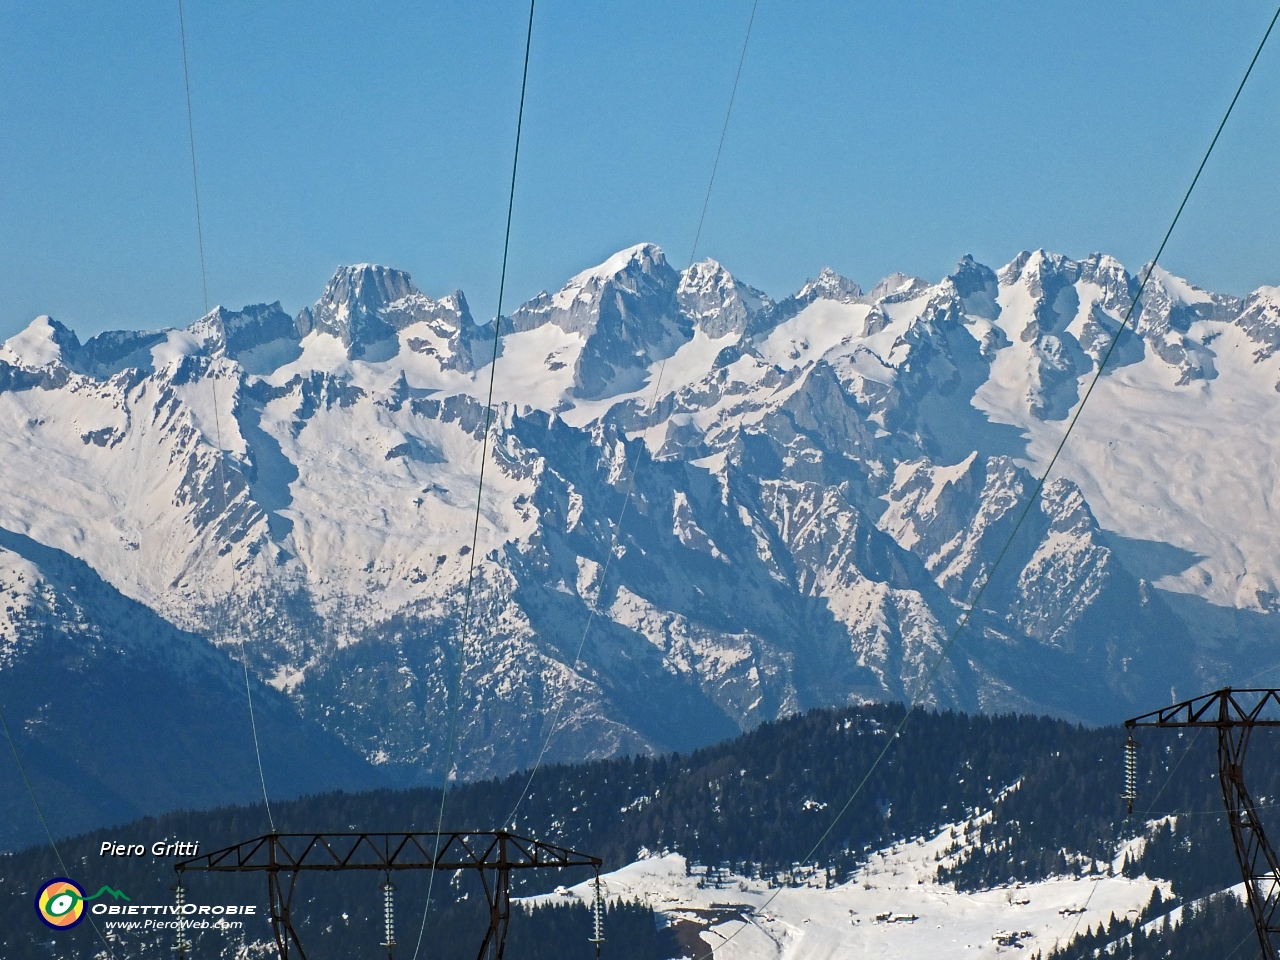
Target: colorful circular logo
x=60 y=903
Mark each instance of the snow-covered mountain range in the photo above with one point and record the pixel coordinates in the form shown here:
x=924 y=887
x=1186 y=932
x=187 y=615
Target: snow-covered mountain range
x=823 y=483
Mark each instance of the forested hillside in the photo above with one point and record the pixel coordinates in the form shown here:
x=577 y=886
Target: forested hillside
x=755 y=806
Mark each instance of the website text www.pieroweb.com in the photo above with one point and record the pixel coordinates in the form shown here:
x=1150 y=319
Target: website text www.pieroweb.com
x=63 y=903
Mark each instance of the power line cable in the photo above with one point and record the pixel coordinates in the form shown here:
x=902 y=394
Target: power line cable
x=967 y=615
x=217 y=425
x=1254 y=676
x=191 y=136
x=1145 y=818
x=13 y=746
x=1169 y=779
x=484 y=452
x=644 y=446
x=706 y=202
x=1247 y=937
x=244 y=657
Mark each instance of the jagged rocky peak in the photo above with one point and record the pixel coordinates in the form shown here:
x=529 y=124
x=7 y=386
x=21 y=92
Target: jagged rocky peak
x=1045 y=273
x=442 y=328
x=1099 y=291
x=718 y=303
x=1030 y=267
x=46 y=343
x=1109 y=274
x=1169 y=306
x=453 y=308
x=830 y=286
x=641 y=272
x=1260 y=318
x=1049 y=279
x=1172 y=303
x=49 y=353
x=233 y=332
x=353 y=305
x=112 y=351
x=634 y=269
x=627 y=312
x=977 y=287
x=901 y=286
x=367 y=304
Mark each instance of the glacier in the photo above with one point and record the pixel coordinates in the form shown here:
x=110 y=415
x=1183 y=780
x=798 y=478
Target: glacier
x=814 y=489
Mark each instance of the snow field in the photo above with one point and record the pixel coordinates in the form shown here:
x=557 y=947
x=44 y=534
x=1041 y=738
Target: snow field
x=892 y=908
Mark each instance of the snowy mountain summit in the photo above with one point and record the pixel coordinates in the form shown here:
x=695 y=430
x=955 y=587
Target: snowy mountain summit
x=824 y=482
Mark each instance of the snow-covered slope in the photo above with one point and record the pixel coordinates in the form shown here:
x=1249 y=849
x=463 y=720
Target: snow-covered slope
x=893 y=907
x=824 y=482
x=1178 y=445
x=117 y=714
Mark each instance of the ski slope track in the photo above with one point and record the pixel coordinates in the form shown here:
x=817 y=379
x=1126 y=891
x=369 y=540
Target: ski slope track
x=825 y=481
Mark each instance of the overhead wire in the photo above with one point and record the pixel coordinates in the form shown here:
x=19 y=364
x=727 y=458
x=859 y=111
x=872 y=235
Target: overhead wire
x=35 y=802
x=191 y=136
x=724 y=129
x=1247 y=937
x=217 y=425
x=1169 y=779
x=1145 y=818
x=1257 y=674
x=932 y=673
x=484 y=451
x=4 y=722
x=593 y=609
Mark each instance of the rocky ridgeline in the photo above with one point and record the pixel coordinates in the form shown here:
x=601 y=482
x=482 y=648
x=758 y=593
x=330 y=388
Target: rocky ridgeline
x=824 y=483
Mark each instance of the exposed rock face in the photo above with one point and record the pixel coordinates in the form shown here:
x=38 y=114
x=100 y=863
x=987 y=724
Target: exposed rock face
x=718 y=304
x=366 y=306
x=355 y=305
x=627 y=313
x=234 y=333
x=117 y=713
x=814 y=502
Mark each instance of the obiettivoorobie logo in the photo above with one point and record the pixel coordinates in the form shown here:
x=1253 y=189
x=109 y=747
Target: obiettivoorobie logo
x=60 y=902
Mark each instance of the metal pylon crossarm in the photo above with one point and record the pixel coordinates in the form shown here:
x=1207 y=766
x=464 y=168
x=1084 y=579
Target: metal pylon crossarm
x=1236 y=714
x=492 y=853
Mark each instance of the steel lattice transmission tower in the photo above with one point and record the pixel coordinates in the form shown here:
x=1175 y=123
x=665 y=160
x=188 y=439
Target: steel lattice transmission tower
x=1235 y=714
x=493 y=854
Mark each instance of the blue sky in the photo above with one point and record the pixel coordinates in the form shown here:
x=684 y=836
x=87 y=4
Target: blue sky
x=870 y=137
